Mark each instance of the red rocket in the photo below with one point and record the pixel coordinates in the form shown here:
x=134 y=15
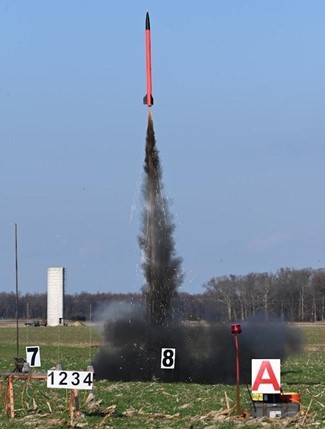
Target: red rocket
x=148 y=98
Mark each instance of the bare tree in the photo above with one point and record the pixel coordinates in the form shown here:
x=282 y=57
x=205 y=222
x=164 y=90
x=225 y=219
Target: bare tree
x=222 y=289
x=318 y=295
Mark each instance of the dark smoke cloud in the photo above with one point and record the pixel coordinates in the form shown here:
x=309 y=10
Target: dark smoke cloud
x=204 y=353
x=133 y=339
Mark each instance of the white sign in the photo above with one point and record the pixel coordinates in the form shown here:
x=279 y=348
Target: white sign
x=168 y=357
x=266 y=375
x=33 y=356
x=70 y=379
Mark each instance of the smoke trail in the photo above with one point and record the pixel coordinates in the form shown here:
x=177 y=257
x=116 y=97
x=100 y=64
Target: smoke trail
x=161 y=268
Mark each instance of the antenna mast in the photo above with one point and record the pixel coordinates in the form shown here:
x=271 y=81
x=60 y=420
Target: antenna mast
x=17 y=290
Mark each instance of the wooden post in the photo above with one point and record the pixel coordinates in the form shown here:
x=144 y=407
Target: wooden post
x=74 y=405
x=9 y=401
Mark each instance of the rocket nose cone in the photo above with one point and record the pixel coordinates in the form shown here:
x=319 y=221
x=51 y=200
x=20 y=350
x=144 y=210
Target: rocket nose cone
x=147 y=21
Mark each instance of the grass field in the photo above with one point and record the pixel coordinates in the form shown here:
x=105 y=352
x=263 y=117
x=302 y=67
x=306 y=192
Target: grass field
x=148 y=405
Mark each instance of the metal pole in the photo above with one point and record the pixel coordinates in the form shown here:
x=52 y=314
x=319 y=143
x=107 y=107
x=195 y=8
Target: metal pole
x=237 y=375
x=90 y=332
x=17 y=290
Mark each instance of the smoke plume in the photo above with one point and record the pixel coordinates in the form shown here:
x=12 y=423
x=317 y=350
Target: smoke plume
x=205 y=353
x=161 y=268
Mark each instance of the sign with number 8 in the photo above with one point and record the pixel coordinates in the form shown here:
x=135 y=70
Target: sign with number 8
x=168 y=357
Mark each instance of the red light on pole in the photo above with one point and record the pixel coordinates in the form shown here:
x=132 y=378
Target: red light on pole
x=235 y=330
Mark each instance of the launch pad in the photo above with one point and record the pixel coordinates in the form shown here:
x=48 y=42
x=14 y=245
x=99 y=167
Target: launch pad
x=9 y=402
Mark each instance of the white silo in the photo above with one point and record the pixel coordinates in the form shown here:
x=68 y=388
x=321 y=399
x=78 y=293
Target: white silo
x=55 y=295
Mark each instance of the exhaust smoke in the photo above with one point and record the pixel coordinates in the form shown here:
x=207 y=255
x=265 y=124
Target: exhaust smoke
x=204 y=353
x=160 y=266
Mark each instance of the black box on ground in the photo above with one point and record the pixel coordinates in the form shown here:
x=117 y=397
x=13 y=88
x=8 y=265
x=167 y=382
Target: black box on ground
x=276 y=410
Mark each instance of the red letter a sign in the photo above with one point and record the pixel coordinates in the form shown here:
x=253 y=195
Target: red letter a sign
x=266 y=375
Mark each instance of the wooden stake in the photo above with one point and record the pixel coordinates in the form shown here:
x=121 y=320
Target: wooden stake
x=305 y=416
x=73 y=405
x=9 y=401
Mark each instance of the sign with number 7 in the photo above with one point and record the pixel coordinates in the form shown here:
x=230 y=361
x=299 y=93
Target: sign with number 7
x=33 y=356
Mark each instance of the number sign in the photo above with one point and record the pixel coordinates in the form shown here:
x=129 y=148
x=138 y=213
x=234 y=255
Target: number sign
x=33 y=356
x=168 y=357
x=70 y=379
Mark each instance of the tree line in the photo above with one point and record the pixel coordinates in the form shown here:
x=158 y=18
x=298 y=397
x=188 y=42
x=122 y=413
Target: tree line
x=292 y=295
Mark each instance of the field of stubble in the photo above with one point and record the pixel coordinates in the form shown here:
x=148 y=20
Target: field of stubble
x=147 y=405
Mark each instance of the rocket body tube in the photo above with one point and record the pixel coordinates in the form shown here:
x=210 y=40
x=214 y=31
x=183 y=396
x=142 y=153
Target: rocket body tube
x=148 y=98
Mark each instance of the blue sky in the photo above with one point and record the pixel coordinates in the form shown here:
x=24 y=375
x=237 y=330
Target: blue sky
x=239 y=121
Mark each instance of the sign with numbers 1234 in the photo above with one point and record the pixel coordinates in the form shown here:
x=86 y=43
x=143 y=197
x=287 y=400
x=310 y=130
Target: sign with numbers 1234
x=82 y=380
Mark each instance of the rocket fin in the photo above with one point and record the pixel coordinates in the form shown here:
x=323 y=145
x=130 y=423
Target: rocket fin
x=145 y=99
